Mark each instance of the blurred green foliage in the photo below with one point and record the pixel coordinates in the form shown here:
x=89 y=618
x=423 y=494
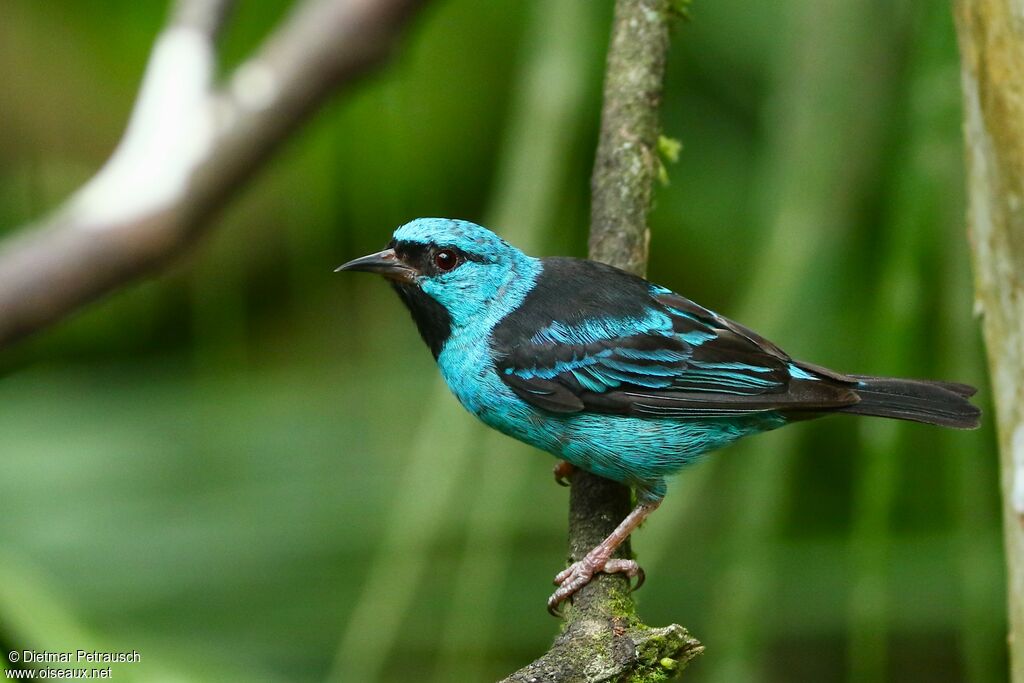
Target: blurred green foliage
x=246 y=470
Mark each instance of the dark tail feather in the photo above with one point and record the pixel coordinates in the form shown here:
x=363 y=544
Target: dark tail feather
x=937 y=403
x=965 y=390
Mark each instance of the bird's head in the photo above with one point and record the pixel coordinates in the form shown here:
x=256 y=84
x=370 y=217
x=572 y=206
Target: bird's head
x=451 y=274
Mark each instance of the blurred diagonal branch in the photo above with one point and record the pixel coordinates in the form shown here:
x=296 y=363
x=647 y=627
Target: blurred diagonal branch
x=603 y=638
x=991 y=37
x=205 y=16
x=189 y=145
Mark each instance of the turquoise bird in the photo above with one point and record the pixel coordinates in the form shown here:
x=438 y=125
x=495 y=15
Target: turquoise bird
x=611 y=373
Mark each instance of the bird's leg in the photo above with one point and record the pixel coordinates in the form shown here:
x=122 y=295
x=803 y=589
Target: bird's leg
x=563 y=472
x=579 y=574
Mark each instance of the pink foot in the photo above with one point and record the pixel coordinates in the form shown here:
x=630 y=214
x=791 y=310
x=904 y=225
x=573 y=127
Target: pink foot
x=579 y=574
x=563 y=472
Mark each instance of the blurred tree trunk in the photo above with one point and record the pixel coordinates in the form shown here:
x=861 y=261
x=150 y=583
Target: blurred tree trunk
x=991 y=35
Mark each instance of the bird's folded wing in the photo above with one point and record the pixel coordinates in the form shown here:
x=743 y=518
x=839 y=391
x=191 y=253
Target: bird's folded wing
x=678 y=360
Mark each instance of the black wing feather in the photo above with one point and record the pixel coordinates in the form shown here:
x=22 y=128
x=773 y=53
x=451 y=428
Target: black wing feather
x=552 y=396
x=562 y=353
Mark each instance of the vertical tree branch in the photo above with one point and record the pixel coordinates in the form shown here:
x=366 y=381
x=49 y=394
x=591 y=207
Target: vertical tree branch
x=621 y=187
x=627 y=161
x=991 y=36
x=603 y=639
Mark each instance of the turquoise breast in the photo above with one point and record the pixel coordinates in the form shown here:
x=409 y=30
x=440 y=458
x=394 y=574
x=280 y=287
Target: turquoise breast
x=631 y=450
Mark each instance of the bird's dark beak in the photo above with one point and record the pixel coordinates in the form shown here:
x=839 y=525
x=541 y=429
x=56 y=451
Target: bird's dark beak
x=384 y=263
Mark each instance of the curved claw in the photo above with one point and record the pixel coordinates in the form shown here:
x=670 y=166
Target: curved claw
x=641 y=577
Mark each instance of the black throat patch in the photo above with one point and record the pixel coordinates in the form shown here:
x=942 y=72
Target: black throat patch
x=431 y=318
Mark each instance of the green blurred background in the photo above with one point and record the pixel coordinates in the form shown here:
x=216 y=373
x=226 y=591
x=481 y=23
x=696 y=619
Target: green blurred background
x=246 y=468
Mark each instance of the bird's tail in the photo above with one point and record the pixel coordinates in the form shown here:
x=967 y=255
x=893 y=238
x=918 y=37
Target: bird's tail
x=937 y=403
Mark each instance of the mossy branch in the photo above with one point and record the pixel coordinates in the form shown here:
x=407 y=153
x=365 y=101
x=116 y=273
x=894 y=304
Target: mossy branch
x=603 y=638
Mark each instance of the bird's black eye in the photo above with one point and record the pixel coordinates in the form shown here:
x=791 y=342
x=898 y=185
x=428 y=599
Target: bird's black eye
x=446 y=260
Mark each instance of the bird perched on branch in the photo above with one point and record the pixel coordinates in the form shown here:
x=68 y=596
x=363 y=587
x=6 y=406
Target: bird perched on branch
x=611 y=373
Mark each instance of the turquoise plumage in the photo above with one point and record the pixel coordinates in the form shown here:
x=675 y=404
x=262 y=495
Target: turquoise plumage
x=611 y=373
